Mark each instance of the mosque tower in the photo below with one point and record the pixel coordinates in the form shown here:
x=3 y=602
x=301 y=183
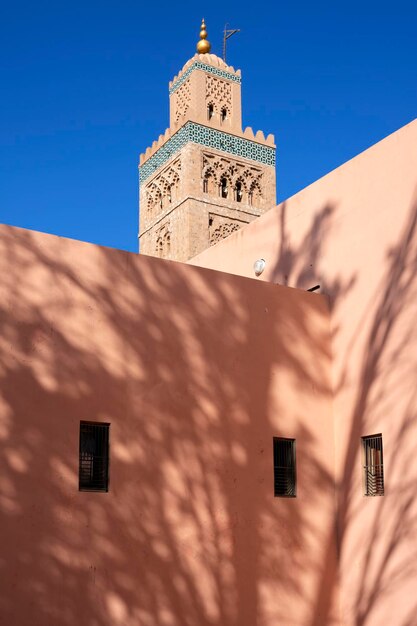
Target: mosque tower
x=204 y=178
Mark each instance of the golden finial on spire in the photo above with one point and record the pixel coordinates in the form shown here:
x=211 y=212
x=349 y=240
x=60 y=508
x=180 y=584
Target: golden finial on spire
x=203 y=46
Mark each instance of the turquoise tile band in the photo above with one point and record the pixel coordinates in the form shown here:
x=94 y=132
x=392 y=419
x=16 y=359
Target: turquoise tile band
x=210 y=138
x=198 y=65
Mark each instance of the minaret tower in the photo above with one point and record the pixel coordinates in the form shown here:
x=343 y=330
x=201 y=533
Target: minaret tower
x=204 y=178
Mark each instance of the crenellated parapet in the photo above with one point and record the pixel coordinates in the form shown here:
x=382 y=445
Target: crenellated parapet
x=218 y=139
x=247 y=145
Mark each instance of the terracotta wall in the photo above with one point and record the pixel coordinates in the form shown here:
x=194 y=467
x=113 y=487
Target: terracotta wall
x=196 y=371
x=354 y=232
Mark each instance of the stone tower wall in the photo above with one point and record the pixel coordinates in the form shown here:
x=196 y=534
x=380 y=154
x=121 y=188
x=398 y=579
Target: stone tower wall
x=204 y=178
x=183 y=211
x=191 y=101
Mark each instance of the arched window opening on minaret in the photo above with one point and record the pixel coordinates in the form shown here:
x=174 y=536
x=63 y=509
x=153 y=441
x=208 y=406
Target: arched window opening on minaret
x=210 y=111
x=254 y=195
x=224 y=190
x=209 y=183
x=239 y=191
x=223 y=115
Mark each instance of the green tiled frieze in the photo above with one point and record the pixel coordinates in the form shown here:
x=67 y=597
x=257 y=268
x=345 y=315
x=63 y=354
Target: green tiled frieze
x=210 y=138
x=197 y=65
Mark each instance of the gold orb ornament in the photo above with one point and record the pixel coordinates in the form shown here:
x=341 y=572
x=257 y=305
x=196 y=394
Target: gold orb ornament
x=203 y=46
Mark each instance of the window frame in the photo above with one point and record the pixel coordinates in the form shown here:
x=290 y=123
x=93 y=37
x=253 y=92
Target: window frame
x=377 y=471
x=94 y=484
x=290 y=467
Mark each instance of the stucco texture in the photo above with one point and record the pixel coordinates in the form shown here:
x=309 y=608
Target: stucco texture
x=354 y=232
x=196 y=371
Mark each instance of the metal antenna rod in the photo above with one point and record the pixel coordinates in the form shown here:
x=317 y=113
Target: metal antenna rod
x=228 y=32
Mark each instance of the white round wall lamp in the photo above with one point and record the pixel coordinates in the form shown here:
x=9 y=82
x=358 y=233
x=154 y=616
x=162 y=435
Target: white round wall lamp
x=259 y=266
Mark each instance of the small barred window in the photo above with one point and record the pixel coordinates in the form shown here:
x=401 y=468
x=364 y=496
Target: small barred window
x=373 y=465
x=94 y=456
x=284 y=468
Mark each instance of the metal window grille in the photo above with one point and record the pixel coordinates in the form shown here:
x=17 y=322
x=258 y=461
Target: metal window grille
x=373 y=465
x=94 y=456
x=284 y=468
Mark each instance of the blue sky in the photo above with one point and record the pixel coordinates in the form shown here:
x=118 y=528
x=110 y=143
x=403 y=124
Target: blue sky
x=84 y=90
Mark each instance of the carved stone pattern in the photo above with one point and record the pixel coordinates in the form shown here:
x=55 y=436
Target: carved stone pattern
x=216 y=168
x=221 y=227
x=210 y=138
x=163 y=241
x=218 y=93
x=162 y=191
x=182 y=100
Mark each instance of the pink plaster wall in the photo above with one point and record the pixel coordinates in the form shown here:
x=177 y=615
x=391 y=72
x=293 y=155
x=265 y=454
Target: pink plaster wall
x=196 y=371
x=355 y=233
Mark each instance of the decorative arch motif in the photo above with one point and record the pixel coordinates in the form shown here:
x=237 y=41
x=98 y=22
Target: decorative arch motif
x=221 y=227
x=210 y=181
x=224 y=186
x=211 y=109
x=163 y=190
x=255 y=193
x=182 y=100
x=240 y=191
x=163 y=241
x=244 y=183
x=219 y=93
x=149 y=202
x=224 y=114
